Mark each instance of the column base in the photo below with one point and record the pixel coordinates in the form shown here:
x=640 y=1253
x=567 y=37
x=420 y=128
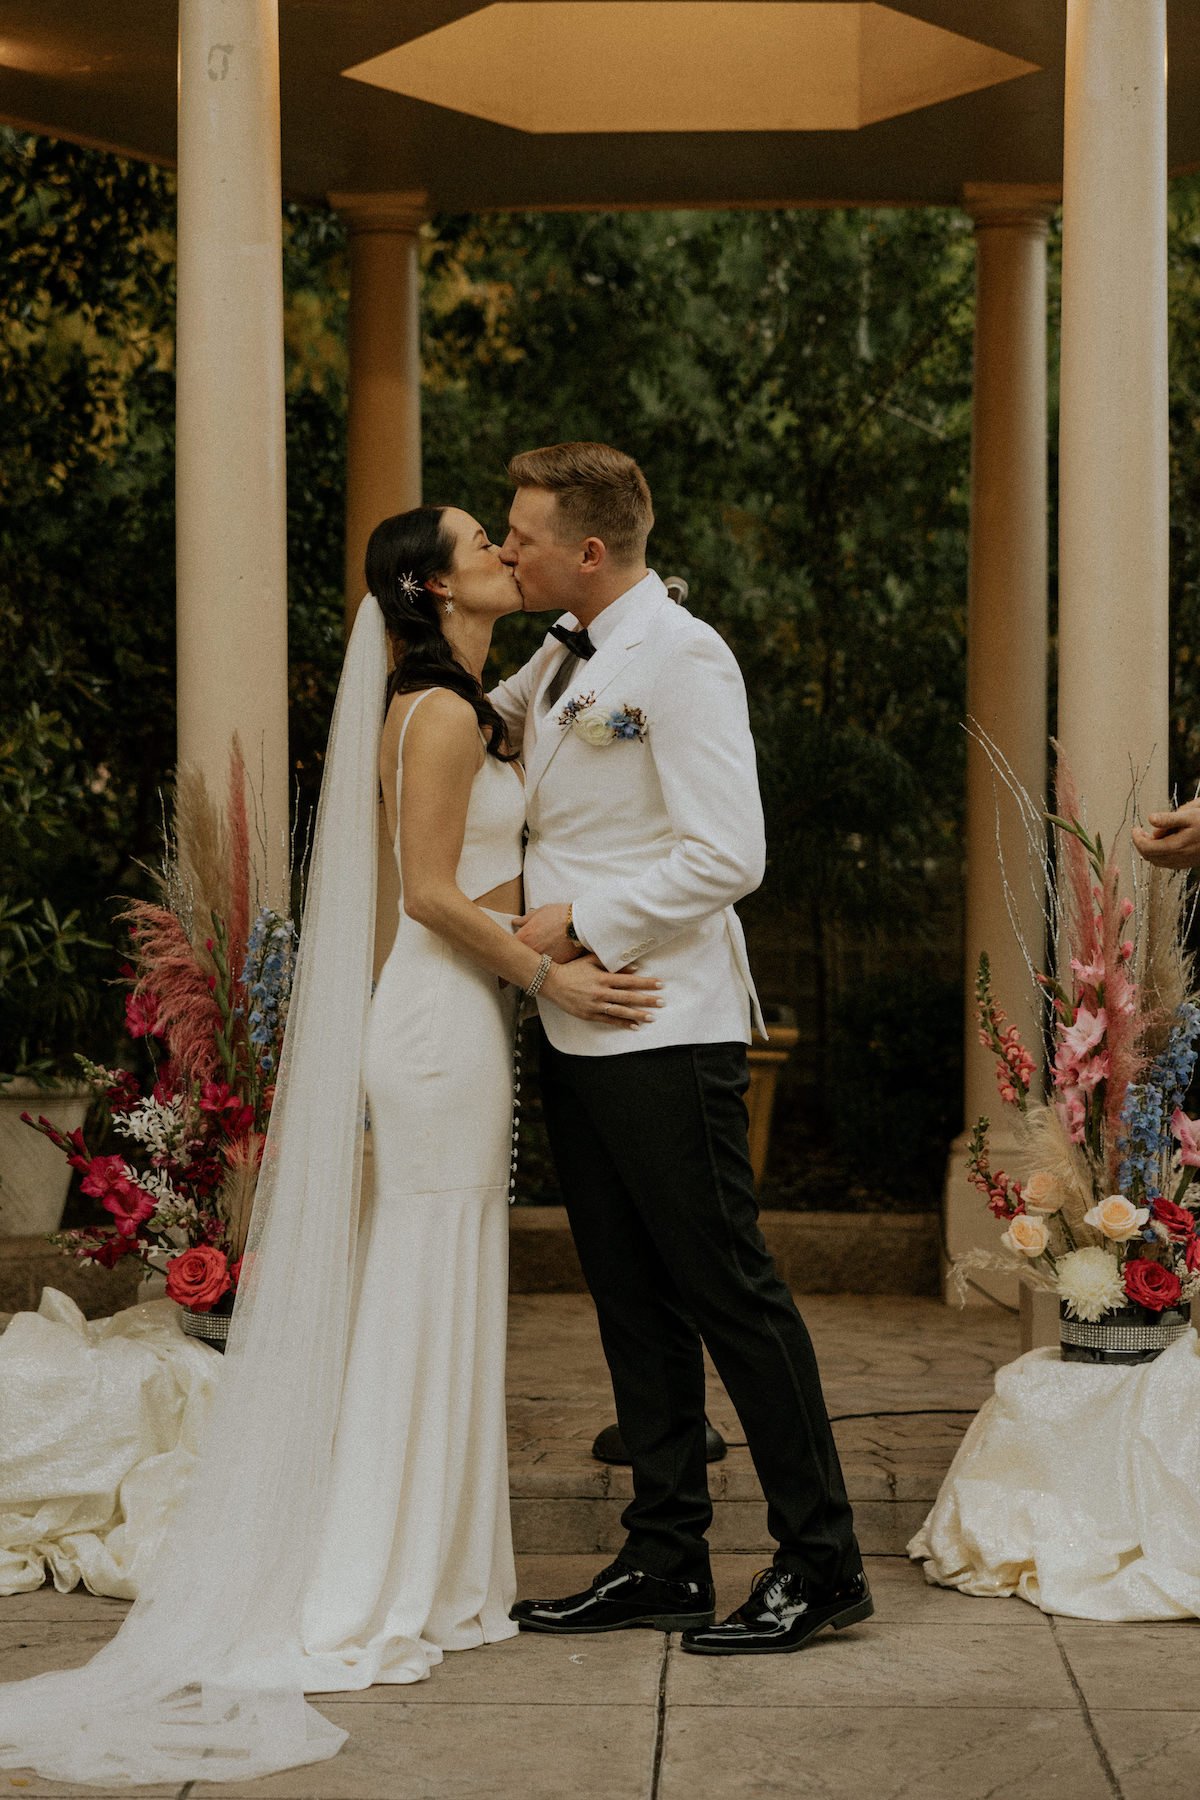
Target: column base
x=1039 y=1318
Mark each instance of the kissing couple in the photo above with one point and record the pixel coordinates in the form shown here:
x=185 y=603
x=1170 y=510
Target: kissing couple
x=579 y=836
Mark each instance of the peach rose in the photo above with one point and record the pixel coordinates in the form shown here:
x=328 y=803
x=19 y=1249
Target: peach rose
x=1117 y=1218
x=1042 y=1193
x=1026 y=1235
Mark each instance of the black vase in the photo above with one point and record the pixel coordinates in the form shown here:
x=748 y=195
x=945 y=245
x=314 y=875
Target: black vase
x=1128 y=1334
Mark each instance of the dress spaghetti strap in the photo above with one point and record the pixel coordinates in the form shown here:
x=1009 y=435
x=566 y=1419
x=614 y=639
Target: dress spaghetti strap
x=423 y=695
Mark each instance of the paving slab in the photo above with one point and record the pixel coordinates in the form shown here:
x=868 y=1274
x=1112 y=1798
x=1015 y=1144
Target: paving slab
x=621 y=1668
x=34 y=1645
x=1152 y=1754
x=459 y=1752
x=1127 y=1667
x=895 y=1665
x=878 y=1752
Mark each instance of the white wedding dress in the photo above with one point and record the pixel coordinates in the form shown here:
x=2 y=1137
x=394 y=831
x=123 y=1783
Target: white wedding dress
x=404 y=1550
x=415 y=1553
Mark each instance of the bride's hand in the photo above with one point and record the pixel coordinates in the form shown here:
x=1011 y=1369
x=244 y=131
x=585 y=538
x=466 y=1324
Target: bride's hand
x=587 y=989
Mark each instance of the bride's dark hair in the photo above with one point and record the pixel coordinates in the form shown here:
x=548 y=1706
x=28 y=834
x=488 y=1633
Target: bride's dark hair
x=412 y=548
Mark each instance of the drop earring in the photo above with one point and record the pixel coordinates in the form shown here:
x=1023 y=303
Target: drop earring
x=448 y=602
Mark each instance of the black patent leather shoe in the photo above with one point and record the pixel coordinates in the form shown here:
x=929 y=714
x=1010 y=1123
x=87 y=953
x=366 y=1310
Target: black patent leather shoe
x=783 y=1612
x=609 y=1446
x=619 y=1599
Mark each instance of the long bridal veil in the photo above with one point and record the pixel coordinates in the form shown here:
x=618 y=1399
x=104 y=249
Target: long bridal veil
x=203 y=1680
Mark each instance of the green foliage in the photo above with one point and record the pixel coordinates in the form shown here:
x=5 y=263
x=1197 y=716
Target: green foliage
x=1184 y=301
x=797 y=387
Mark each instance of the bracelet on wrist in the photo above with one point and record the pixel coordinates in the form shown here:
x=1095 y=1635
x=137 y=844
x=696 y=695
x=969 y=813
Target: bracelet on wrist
x=543 y=969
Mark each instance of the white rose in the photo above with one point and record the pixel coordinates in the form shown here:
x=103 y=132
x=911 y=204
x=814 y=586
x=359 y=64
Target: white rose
x=1042 y=1193
x=1026 y=1235
x=1117 y=1218
x=593 y=727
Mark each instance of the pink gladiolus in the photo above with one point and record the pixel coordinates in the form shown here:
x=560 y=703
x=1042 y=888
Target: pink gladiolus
x=1086 y=1032
x=1072 y=1115
x=1127 y=909
x=1188 y=1133
x=1090 y=974
x=1092 y=1073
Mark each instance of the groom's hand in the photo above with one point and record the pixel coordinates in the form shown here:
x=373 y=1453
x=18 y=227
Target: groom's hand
x=545 y=930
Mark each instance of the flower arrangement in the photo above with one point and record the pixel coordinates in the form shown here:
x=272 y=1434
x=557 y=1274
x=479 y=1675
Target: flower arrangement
x=208 y=992
x=599 y=727
x=1103 y=1213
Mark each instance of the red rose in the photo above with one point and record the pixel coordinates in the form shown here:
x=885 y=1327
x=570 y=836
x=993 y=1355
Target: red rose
x=1178 y=1221
x=197 y=1278
x=235 y=1271
x=1191 y=1254
x=1150 y=1284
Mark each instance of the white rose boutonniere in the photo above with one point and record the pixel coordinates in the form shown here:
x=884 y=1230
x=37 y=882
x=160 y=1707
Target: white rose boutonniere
x=598 y=725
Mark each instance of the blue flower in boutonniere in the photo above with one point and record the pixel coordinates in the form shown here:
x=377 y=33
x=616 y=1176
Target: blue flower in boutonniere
x=597 y=726
x=573 y=708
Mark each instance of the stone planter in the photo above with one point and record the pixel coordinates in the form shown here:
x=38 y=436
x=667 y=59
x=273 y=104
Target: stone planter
x=766 y=1058
x=34 y=1176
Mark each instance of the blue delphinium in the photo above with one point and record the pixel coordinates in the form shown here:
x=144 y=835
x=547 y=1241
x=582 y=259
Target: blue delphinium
x=1146 y=1116
x=267 y=978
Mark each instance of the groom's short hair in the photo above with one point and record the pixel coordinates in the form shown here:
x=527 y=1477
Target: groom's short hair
x=601 y=493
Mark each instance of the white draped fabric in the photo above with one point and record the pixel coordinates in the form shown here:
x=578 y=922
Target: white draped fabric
x=99 y=1422
x=1078 y=1488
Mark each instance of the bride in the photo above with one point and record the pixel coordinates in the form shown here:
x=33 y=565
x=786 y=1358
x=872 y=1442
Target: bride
x=347 y=1520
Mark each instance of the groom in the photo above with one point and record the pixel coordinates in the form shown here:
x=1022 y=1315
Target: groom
x=645 y=826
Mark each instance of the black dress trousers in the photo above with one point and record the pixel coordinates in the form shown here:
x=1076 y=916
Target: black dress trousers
x=652 y=1154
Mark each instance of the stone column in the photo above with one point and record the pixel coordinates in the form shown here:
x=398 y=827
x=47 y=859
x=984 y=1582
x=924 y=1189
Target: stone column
x=231 y=515
x=1006 y=655
x=383 y=472
x=1113 y=477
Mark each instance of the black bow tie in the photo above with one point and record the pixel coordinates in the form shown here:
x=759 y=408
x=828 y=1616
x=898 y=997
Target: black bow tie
x=577 y=642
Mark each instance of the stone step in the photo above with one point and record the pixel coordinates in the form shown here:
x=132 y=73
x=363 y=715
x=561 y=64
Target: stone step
x=565 y=1502
x=816 y=1252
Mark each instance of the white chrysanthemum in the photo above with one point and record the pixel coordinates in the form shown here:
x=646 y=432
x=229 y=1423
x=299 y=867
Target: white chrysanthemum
x=1089 y=1280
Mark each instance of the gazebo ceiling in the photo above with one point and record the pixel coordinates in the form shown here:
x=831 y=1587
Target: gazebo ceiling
x=606 y=103
x=764 y=65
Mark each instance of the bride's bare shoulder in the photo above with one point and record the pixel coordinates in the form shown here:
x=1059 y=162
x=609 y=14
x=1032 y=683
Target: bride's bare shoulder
x=441 y=719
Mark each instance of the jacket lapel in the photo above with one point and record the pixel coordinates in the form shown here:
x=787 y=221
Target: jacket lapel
x=591 y=678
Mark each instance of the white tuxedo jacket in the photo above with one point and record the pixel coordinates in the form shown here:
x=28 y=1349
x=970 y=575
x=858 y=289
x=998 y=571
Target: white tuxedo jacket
x=653 y=839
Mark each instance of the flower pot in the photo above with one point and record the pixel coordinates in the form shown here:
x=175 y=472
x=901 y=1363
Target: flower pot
x=34 y=1176
x=209 y=1327
x=766 y=1058
x=1127 y=1334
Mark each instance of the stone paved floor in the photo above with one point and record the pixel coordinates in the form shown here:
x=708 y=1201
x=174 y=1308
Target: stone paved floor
x=940 y=1697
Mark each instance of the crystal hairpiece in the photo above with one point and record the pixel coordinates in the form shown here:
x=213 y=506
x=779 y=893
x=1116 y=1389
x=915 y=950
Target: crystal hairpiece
x=410 y=587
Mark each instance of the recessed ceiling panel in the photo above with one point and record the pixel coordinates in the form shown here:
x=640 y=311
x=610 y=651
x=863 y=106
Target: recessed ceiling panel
x=612 y=66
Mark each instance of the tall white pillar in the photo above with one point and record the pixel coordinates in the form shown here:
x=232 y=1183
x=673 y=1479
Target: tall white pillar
x=1006 y=656
x=1113 y=474
x=383 y=472
x=231 y=510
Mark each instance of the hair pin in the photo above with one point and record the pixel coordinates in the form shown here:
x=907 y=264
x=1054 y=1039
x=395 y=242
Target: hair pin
x=410 y=587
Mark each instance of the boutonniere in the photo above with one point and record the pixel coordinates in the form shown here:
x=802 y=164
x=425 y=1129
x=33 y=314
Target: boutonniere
x=599 y=725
